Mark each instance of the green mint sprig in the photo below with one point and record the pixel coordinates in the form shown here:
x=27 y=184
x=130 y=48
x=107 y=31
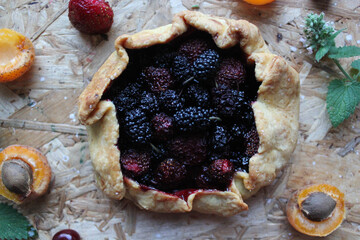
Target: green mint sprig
x=343 y=94
x=14 y=225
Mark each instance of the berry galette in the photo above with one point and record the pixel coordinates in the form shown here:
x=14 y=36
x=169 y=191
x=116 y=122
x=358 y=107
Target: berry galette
x=195 y=115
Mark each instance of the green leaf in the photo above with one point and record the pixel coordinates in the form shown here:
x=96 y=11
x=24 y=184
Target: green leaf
x=341 y=100
x=322 y=52
x=334 y=35
x=344 y=52
x=14 y=225
x=356 y=64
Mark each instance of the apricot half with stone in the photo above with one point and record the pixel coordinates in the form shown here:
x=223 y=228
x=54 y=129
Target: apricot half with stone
x=24 y=173
x=317 y=210
x=16 y=55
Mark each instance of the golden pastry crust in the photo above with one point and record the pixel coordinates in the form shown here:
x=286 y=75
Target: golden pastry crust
x=276 y=116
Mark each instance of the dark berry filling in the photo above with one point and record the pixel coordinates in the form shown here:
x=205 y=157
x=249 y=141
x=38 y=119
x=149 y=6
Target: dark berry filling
x=185 y=115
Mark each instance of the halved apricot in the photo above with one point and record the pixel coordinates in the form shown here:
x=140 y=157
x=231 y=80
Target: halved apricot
x=259 y=2
x=24 y=173
x=16 y=55
x=317 y=210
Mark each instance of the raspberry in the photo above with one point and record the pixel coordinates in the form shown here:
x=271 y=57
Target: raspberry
x=231 y=73
x=136 y=126
x=127 y=98
x=170 y=174
x=189 y=150
x=158 y=79
x=217 y=175
x=135 y=164
x=228 y=102
x=170 y=101
x=221 y=171
x=193 y=119
x=252 y=142
x=148 y=103
x=240 y=161
x=91 y=16
x=205 y=65
x=181 y=68
x=163 y=126
x=195 y=95
x=192 y=48
x=220 y=139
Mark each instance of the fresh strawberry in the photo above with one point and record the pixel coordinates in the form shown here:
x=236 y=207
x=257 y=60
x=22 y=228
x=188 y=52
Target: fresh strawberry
x=91 y=16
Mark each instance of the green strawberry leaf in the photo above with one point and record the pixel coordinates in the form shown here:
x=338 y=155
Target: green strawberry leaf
x=341 y=100
x=14 y=225
x=356 y=64
x=344 y=52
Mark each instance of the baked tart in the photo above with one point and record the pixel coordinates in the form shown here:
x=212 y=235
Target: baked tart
x=195 y=115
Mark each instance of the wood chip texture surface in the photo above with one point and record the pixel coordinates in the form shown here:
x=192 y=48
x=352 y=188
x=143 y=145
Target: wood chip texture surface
x=40 y=110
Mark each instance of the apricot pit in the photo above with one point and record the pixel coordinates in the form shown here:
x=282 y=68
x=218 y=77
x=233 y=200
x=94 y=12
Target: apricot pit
x=24 y=173
x=317 y=210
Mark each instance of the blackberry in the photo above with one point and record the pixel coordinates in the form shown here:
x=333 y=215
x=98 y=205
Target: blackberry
x=181 y=69
x=170 y=174
x=162 y=126
x=158 y=152
x=163 y=56
x=196 y=95
x=189 y=150
x=127 y=98
x=205 y=65
x=158 y=79
x=228 y=102
x=231 y=73
x=193 y=119
x=240 y=161
x=135 y=164
x=247 y=114
x=252 y=142
x=220 y=139
x=136 y=126
x=238 y=132
x=192 y=48
x=148 y=103
x=170 y=101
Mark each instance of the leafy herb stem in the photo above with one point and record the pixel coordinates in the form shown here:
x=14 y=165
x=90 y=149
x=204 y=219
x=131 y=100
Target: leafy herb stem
x=342 y=70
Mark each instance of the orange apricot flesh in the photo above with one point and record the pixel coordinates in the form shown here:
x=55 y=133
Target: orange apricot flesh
x=316 y=228
x=16 y=55
x=41 y=171
x=259 y=2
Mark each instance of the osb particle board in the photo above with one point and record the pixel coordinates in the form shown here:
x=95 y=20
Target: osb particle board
x=40 y=110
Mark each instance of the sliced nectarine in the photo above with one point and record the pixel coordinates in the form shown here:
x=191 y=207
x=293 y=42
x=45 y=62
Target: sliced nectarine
x=16 y=55
x=24 y=173
x=317 y=210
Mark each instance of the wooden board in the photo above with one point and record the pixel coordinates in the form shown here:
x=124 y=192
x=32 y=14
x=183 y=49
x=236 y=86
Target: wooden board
x=40 y=110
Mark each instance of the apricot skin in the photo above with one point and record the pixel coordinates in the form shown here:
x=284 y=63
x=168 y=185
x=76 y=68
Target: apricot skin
x=17 y=55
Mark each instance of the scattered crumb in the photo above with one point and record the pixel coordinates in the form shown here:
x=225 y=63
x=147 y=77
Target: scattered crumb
x=293 y=49
x=349 y=37
x=65 y=97
x=66 y=158
x=72 y=117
